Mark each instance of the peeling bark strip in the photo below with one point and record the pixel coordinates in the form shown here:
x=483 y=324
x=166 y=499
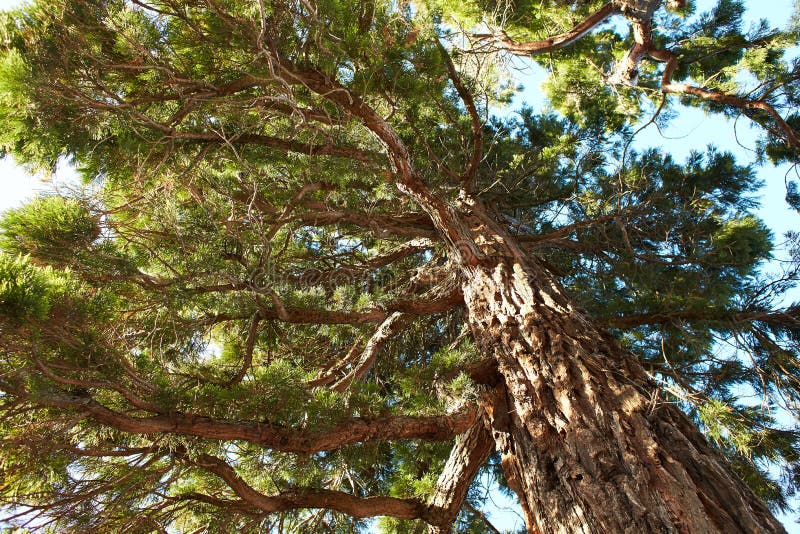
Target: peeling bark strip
x=586 y=441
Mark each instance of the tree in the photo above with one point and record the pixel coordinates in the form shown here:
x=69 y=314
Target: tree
x=313 y=280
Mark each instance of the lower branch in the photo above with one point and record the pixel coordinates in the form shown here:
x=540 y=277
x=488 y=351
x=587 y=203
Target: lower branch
x=312 y=498
x=275 y=436
x=466 y=458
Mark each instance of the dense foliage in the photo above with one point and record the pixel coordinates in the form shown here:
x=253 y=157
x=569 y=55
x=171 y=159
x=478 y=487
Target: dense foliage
x=241 y=310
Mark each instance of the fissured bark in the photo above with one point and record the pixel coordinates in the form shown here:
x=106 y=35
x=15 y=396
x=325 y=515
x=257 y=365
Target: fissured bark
x=588 y=442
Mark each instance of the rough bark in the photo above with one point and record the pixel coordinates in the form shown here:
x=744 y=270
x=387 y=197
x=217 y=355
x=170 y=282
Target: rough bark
x=587 y=442
x=469 y=453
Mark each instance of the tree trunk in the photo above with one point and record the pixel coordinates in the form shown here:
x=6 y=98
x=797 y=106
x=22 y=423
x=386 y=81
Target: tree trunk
x=588 y=443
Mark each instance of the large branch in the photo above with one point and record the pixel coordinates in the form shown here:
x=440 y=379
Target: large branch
x=667 y=86
x=286 y=145
x=417 y=225
x=274 y=436
x=466 y=458
x=312 y=498
x=288 y=314
x=501 y=41
x=448 y=223
x=626 y=72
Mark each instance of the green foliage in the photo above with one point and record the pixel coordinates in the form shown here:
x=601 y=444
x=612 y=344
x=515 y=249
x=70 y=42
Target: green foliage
x=52 y=230
x=741 y=242
x=244 y=241
x=27 y=291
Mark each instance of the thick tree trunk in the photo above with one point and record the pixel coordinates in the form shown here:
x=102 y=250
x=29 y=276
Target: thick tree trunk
x=588 y=443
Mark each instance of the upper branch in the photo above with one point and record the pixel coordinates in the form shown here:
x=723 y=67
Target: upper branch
x=477 y=126
x=409 y=182
x=668 y=86
x=502 y=41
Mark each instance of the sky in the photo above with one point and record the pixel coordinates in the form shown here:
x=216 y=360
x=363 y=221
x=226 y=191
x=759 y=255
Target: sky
x=692 y=131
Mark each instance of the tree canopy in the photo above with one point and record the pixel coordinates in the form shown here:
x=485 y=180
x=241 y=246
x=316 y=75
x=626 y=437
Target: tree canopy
x=253 y=315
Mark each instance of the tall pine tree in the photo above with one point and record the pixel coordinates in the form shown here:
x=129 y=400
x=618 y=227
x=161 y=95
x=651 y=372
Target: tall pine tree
x=311 y=280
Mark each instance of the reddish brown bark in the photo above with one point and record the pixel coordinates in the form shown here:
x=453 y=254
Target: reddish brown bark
x=467 y=456
x=587 y=441
x=332 y=500
x=274 y=436
x=626 y=71
x=555 y=42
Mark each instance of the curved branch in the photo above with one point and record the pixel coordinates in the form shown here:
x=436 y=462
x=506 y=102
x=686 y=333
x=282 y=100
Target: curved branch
x=668 y=86
x=131 y=397
x=626 y=72
x=502 y=41
x=274 y=436
x=312 y=498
